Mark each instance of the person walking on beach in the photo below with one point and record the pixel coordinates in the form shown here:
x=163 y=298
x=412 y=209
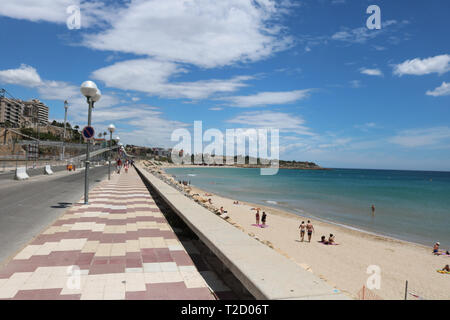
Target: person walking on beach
x=373 y=210
x=302 y=228
x=310 y=229
x=257 y=218
x=263 y=219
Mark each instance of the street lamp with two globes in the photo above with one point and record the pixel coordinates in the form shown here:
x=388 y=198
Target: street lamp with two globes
x=92 y=93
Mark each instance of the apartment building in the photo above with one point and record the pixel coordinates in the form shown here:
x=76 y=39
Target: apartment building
x=36 y=110
x=11 y=111
x=22 y=113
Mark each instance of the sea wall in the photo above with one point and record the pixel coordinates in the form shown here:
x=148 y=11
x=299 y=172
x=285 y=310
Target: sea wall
x=265 y=273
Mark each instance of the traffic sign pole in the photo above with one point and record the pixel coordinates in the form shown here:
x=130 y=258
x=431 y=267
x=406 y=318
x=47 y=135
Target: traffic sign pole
x=86 y=172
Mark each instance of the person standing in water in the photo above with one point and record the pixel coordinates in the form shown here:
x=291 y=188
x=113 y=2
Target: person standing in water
x=373 y=210
x=302 y=228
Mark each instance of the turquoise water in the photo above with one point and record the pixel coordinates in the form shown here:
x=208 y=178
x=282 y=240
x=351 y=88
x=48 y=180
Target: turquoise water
x=410 y=205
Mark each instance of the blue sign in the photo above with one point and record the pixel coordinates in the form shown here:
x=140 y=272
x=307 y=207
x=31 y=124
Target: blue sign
x=88 y=132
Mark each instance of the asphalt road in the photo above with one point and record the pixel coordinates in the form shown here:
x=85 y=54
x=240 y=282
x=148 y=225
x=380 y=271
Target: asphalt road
x=27 y=207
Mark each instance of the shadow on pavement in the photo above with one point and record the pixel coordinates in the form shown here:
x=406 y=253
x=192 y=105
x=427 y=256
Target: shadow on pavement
x=62 y=205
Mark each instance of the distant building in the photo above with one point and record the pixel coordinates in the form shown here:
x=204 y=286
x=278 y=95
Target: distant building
x=36 y=110
x=162 y=152
x=22 y=113
x=11 y=112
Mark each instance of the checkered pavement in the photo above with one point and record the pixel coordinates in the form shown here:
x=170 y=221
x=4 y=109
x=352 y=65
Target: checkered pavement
x=119 y=246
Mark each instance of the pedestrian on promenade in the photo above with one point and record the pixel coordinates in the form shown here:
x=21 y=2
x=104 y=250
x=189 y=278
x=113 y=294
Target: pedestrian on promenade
x=310 y=229
x=119 y=165
x=126 y=166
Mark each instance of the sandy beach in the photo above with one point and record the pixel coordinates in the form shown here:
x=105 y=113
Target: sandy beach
x=345 y=265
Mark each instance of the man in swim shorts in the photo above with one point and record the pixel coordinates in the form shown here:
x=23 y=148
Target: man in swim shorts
x=310 y=229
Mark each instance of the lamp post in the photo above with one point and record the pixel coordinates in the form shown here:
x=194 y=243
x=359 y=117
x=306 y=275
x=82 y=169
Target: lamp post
x=92 y=93
x=66 y=106
x=111 y=129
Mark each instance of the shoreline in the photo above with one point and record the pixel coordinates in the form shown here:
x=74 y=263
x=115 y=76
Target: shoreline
x=280 y=210
x=343 y=266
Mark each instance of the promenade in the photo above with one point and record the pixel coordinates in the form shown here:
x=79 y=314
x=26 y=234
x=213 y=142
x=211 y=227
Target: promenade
x=119 y=246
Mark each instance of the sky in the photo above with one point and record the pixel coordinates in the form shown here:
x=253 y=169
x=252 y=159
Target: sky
x=341 y=95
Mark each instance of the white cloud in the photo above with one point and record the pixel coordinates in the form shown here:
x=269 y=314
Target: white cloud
x=149 y=127
x=371 y=72
x=277 y=120
x=355 y=84
x=28 y=76
x=340 y=142
x=152 y=76
x=268 y=98
x=362 y=34
x=200 y=32
x=25 y=76
x=92 y=12
x=367 y=126
x=429 y=137
x=437 y=64
x=443 y=90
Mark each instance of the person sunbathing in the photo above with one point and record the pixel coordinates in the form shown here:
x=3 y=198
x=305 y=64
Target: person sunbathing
x=331 y=239
x=436 y=248
x=446 y=268
x=323 y=240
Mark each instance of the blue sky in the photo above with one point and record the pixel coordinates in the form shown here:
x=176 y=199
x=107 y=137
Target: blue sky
x=340 y=94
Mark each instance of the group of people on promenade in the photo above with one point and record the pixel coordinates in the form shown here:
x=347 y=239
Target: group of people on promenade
x=126 y=165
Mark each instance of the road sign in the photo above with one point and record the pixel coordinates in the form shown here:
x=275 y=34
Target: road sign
x=88 y=132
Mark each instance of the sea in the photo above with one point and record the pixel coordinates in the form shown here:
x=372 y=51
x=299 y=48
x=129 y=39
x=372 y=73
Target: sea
x=409 y=205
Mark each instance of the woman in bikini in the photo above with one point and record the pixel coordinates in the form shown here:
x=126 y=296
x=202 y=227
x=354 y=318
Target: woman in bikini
x=257 y=217
x=436 y=248
x=302 y=228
